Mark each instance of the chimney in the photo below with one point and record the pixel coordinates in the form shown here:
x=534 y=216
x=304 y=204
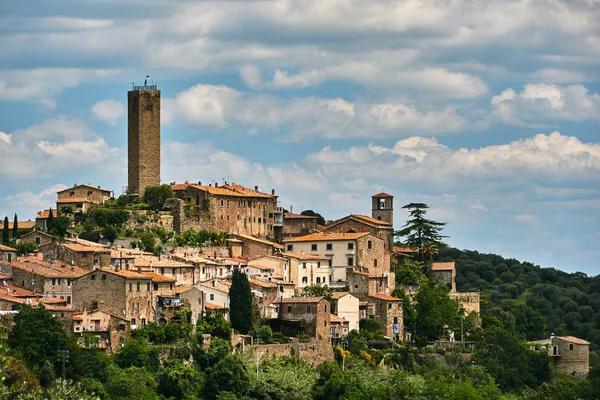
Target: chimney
x=139 y=270
x=291 y=208
x=72 y=268
x=64 y=265
x=199 y=183
x=273 y=192
x=256 y=188
x=216 y=184
x=215 y=255
x=186 y=182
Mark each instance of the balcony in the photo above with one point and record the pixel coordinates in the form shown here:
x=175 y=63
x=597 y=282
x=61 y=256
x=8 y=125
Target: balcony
x=171 y=302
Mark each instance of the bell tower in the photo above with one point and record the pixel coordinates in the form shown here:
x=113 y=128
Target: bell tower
x=143 y=138
x=383 y=207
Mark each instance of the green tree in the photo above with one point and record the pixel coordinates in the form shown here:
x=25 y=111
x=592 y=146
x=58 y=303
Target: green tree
x=421 y=233
x=180 y=382
x=213 y=323
x=138 y=353
x=317 y=290
x=435 y=311
x=156 y=196
x=15 y=229
x=148 y=241
x=17 y=380
x=24 y=248
x=229 y=374
x=47 y=374
x=60 y=226
x=240 y=301
x=311 y=213
x=409 y=272
x=36 y=336
x=50 y=221
x=130 y=383
x=5 y=231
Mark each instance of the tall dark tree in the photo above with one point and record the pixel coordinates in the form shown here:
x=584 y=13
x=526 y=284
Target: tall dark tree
x=421 y=233
x=15 y=227
x=155 y=196
x=5 y=231
x=50 y=221
x=240 y=302
x=311 y=213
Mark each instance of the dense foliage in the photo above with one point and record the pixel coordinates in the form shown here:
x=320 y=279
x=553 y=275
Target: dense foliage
x=240 y=299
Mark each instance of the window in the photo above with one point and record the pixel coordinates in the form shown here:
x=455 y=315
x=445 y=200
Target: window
x=318 y=264
x=289 y=309
x=222 y=203
x=162 y=271
x=270 y=215
x=369 y=244
x=304 y=279
x=227 y=203
x=318 y=280
x=138 y=286
x=375 y=262
x=143 y=321
x=281 y=288
x=93 y=277
x=329 y=246
x=228 y=218
x=325 y=308
x=53 y=281
x=313 y=247
x=324 y=323
x=350 y=246
x=173 y=271
x=148 y=286
x=571 y=346
x=259 y=220
x=239 y=203
x=350 y=261
x=212 y=297
x=307 y=309
x=389 y=306
x=37 y=240
x=290 y=247
x=132 y=321
x=355 y=286
x=131 y=287
x=103 y=277
x=303 y=265
x=68 y=282
x=221 y=217
x=156 y=286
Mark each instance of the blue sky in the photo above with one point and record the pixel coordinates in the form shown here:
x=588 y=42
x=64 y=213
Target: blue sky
x=487 y=111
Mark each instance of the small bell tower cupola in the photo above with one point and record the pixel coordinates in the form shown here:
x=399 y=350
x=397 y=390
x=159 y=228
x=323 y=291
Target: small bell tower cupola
x=383 y=207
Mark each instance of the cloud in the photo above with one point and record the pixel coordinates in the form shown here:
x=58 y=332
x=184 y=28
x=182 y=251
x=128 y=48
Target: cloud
x=109 y=111
x=539 y=102
x=220 y=107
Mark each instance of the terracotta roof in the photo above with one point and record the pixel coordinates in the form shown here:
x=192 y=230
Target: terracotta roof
x=6 y=248
x=80 y=248
x=325 y=237
x=212 y=306
x=183 y=288
x=292 y=300
x=163 y=262
x=217 y=288
x=338 y=295
x=124 y=273
x=179 y=186
x=44 y=214
x=371 y=220
x=298 y=216
x=51 y=300
x=305 y=256
x=442 y=266
x=573 y=339
x=360 y=272
x=16 y=291
x=21 y=224
x=381 y=195
x=85 y=242
x=386 y=297
x=262 y=283
x=334 y=319
x=34 y=233
x=43 y=268
x=276 y=245
x=232 y=190
x=261 y=267
x=83 y=185
x=398 y=249
x=120 y=254
x=5 y=277
x=73 y=200
x=158 y=277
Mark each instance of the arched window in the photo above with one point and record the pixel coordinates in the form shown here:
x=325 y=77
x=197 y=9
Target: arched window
x=305 y=280
x=318 y=280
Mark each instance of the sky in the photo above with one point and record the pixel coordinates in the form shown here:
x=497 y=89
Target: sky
x=487 y=111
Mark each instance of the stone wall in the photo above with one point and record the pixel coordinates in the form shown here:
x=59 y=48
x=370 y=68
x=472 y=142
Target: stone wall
x=314 y=353
x=146 y=220
x=573 y=362
x=469 y=300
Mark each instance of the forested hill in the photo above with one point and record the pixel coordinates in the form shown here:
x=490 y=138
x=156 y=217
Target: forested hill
x=538 y=300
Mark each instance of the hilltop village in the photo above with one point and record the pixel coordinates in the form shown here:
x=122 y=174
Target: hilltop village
x=107 y=265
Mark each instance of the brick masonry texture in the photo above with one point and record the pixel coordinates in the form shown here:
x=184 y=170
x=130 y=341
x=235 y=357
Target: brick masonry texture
x=143 y=142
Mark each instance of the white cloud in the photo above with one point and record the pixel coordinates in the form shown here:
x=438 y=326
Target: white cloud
x=545 y=102
x=109 y=111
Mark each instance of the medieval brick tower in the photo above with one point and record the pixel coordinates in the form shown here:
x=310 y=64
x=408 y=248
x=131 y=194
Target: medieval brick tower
x=143 y=138
x=383 y=207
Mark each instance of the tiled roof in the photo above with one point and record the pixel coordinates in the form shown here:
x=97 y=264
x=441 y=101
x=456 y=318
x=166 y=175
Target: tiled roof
x=5 y=277
x=163 y=262
x=305 y=256
x=73 y=200
x=262 y=267
x=398 y=249
x=232 y=190
x=212 y=306
x=120 y=254
x=84 y=185
x=371 y=220
x=6 y=248
x=44 y=214
x=276 y=245
x=85 y=242
x=16 y=291
x=334 y=319
x=183 y=288
x=573 y=339
x=382 y=195
x=262 y=283
x=442 y=266
x=217 y=288
x=80 y=248
x=338 y=295
x=35 y=233
x=158 y=277
x=324 y=237
x=298 y=216
x=293 y=300
x=43 y=268
x=51 y=300
x=386 y=297
x=179 y=186
x=124 y=273
x=360 y=272
x=20 y=225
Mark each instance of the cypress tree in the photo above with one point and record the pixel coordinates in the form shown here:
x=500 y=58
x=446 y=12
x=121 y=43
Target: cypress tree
x=240 y=299
x=15 y=227
x=5 y=231
x=50 y=221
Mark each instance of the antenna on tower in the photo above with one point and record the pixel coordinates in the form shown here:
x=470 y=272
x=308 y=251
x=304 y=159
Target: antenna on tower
x=146 y=80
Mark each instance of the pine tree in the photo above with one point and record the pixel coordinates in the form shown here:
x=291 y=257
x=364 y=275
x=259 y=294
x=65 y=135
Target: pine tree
x=240 y=309
x=50 y=221
x=15 y=227
x=5 y=231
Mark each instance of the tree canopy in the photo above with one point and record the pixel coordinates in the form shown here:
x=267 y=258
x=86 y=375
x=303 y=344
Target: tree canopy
x=156 y=196
x=311 y=213
x=240 y=307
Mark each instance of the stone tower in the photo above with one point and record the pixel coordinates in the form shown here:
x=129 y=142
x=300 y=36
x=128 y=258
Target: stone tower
x=143 y=138
x=383 y=207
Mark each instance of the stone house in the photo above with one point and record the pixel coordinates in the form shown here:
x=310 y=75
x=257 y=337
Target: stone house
x=166 y=301
x=127 y=293
x=230 y=208
x=253 y=247
x=191 y=297
x=277 y=262
x=46 y=278
x=571 y=355
x=446 y=272
x=184 y=273
x=38 y=238
x=339 y=329
x=215 y=296
x=306 y=269
x=307 y=315
x=387 y=310
x=258 y=271
x=359 y=250
x=363 y=223
x=74 y=253
x=7 y=254
x=97 y=328
x=22 y=228
x=298 y=225
x=41 y=219
x=80 y=197
x=345 y=306
x=121 y=259
x=267 y=292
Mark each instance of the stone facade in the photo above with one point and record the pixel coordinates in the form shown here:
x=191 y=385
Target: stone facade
x=37 y=238
x=305 y=270
x=253 y=247
x=297 y=225
x=446 y=271
x=7 y=254
x=107 y=329
x=387 y=310
x=468 y=300
x=383 y=207
x=314 y=353
x=125 y=293
x=345 y=306
x=571 y=355
x=143 y=139
x=309 y=315
x=278 y=263
x=84 y=256
x=363 y=223
x=92 y=194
